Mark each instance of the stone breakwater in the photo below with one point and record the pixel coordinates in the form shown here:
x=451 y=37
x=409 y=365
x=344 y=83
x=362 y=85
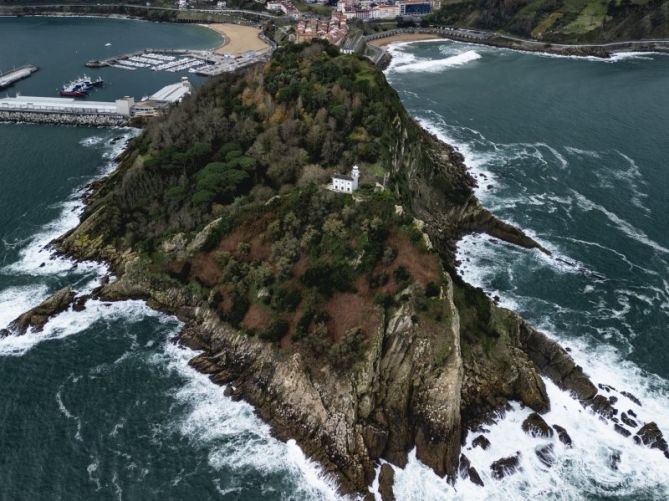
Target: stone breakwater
x=84 y=120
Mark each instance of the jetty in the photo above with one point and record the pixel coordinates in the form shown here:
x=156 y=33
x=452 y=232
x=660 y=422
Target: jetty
x=12 y=76
x=67 y=110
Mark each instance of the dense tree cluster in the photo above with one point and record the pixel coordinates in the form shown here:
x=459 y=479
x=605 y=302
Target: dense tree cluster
x=244 y=138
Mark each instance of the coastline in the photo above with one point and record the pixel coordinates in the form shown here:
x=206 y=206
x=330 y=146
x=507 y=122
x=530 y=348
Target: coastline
x=390 y=43
x=237 y=38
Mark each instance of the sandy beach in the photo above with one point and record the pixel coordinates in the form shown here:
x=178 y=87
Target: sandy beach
x=238 y=38
x=406 y=37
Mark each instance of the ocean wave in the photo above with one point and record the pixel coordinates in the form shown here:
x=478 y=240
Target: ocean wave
x=72 y=322
x=436 y=65
x=236 y=438
x=622 y=225
x=37 y=257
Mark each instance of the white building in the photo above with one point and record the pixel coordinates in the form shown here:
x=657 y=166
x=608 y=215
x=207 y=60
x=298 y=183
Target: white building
x=346 y=184
x=66 y=105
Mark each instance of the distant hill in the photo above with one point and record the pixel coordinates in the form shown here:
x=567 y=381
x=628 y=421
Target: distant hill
x=561 y=20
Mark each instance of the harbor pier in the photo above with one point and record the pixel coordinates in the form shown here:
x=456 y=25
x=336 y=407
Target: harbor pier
x=10 y=77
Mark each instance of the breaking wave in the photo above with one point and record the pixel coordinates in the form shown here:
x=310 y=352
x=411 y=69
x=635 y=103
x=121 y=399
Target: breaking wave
x=404 y=62
x=235 y=437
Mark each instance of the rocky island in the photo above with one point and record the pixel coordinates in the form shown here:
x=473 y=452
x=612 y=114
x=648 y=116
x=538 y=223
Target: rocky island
x=339 y=317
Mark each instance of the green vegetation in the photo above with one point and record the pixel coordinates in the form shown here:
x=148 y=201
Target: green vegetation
x=561 y=20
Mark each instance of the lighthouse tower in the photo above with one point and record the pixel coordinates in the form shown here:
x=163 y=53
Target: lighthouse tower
x=355 y=174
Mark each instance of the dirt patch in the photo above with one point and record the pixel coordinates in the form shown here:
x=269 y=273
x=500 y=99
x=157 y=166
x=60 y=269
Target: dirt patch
x=205 y=270
x=424 y=267
x=257 y=318
x=348 y=311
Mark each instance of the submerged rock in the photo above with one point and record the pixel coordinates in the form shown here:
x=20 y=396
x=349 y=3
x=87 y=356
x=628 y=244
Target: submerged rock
x=37 y=317
x=535 y=425
x=614 y=460
x=505 y=466
x=628 y=420
x=546 y=454
x=563 y=436
x=481 y=442
x=622 y=430
x=631 y=397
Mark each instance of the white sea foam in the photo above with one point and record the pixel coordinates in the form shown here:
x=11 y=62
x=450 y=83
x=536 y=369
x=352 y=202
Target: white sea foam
x=622 y=225
x=37 y=258
x=437 y=65
x=236 y=437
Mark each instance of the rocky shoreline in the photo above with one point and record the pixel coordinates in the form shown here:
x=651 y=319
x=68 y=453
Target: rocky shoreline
x=63 y=119
x=414 y=387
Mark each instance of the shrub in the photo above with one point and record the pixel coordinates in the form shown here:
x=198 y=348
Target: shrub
x=276 y=331
x=432 y=289
x=286 y=299
x=402 y=275
x=383 y=299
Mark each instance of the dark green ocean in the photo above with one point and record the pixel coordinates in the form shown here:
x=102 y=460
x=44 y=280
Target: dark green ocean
x=101 y=405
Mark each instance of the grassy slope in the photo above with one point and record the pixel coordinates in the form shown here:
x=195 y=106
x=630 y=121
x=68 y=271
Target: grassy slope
x=563 y=20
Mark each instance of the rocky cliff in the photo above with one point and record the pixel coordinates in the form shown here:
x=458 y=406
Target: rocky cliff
x=341 y=319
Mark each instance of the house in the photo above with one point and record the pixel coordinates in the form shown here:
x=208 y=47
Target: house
x=346 y=184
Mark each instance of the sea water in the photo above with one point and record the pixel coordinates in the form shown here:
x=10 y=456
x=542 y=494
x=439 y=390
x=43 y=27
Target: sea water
x=102 y=405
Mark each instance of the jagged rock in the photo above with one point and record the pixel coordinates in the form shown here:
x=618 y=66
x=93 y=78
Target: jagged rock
x=37 y=317
x=651 y=436
x=481 y=442
x=468 y=471
x=474 y=477
x=375 y=439
x=386 y=481
x=80 y=302
x=463 y=466
x=631 y=397
x=623 y=431
x=631 y=413
x=202 y=237
x=4 y=333
x=601 y=405
x=535 y=425
x=563 y=436
x=546 y=454
x=556 y=363
x=628 y=420
x=505 y=466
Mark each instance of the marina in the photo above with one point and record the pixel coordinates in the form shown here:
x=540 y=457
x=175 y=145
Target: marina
x=199 y=62
x=8 y=78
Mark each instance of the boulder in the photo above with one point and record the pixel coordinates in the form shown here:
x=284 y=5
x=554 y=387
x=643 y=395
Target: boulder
x=505 y=466
x=563 y=436
x=602 y=406
x=623 y=431
x=474 y=477
x=481 y=442
x=628 y=420
x=37 y=317
x=651 y=436
x=535 y=425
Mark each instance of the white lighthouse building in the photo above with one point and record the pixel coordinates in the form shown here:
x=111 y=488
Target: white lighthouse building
x=346 y=184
